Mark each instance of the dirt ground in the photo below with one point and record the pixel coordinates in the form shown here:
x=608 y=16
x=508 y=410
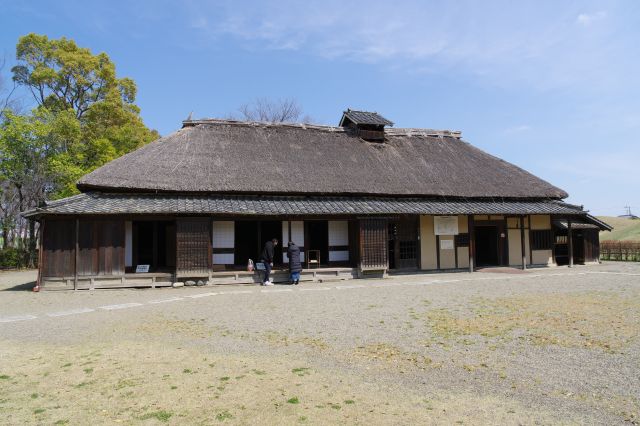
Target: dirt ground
x=552 y=346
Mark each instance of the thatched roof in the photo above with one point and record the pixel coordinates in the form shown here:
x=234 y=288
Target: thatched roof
x=221 y=156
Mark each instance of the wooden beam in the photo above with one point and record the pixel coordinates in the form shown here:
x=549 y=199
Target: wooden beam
x=570 y=242
x=524 y=255
x=472 y=242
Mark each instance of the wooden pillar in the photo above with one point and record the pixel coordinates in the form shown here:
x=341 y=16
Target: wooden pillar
x=438 y=252
x=455 y=250
x=524 y=255
x=472 y=242
x=570 y=242
x=77 y=253
x=40 y=254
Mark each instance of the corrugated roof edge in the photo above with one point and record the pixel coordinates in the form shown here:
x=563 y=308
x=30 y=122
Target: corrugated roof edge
x=410 y=131
x=150 y=203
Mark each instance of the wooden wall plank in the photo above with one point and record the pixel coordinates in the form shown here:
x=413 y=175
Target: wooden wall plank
x=193 y=241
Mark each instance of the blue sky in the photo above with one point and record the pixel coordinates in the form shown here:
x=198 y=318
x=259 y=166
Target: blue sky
x=553 y=87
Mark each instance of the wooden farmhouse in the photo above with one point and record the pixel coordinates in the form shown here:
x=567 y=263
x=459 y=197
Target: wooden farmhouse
x=360 y=199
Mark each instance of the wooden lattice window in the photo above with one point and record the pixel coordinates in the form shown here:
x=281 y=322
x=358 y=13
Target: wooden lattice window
x=542 y=239
x=193 y=246
x=373 y=244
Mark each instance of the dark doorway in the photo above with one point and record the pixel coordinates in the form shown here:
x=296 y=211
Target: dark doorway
x=246 y=244
x=487 y=250
x=154 y=244
x=269 y=230
x=578 y=247
x=403 y=243
x=318 y=238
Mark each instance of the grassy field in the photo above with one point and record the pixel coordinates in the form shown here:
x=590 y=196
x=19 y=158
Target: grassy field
x=623 y=229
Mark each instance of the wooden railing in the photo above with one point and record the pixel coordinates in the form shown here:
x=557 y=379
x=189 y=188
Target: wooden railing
x=620 y=250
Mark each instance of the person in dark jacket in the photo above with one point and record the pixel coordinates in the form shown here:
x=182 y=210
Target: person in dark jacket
x=295 y=266
x=267 y=258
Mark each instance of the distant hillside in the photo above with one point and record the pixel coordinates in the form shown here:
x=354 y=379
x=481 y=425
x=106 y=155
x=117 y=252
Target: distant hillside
x=623 y=229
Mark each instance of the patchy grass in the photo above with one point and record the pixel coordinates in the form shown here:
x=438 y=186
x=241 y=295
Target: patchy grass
x=293 y=400
x=301 y=371
x=161 y=415
x=388 y=353
x=602 y=320
x=224 y=415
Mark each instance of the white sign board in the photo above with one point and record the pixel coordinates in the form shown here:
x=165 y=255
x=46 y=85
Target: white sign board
x=445 y=225
x=142 y=268
x=446 y=244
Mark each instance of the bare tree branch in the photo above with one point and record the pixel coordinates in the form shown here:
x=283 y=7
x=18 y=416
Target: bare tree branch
x=270 y=111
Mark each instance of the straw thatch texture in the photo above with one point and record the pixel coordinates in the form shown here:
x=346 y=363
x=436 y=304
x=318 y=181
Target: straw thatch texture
x=225 y=157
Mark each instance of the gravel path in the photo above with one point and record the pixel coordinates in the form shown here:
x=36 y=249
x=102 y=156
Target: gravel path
x=554 y=345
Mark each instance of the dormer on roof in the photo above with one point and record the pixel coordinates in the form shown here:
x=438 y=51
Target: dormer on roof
x=367 y=125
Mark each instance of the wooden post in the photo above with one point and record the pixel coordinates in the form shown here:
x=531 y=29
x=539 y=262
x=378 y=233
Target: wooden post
x=40 y=254
x=438 y=252
x=455 y=250
x=570 y=242
x=524 y=255
x=77 y=253
x=472 y=242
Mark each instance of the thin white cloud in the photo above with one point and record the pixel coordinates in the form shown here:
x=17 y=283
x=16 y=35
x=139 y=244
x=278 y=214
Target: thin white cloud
x=587 y=19
x=506 y=45
x=517 y=129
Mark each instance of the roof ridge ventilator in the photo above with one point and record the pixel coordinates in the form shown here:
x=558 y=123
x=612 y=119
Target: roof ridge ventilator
x=366 y=125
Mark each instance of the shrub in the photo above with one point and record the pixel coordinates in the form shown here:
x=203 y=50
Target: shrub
x=13 y=258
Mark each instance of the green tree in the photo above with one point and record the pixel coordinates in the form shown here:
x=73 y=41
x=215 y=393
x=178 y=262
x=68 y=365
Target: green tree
x=65 y=78
x=84 y=117
x=61 y=76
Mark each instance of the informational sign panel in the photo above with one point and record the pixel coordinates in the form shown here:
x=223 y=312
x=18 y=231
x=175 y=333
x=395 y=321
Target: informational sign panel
x=445 y=225
x=446 y=244
x=142 y=268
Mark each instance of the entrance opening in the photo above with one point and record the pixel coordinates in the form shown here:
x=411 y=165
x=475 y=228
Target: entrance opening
x=403 y=244
x=246 y=244
x=561 y=248
x=318 y=239
x=269 y=230
x=487 y=246
x=250 y=238
x=154 y=244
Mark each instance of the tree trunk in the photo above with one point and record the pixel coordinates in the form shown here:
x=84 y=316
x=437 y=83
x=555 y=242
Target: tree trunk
x=31 y=263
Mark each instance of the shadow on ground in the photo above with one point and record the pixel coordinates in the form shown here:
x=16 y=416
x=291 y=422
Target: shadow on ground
x=21 y=287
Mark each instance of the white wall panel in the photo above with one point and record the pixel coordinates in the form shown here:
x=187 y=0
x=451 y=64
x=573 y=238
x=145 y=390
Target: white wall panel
x=297 y=232
x=223 y=259
x=339 y=256
x=338 y=233
x=223 y=234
